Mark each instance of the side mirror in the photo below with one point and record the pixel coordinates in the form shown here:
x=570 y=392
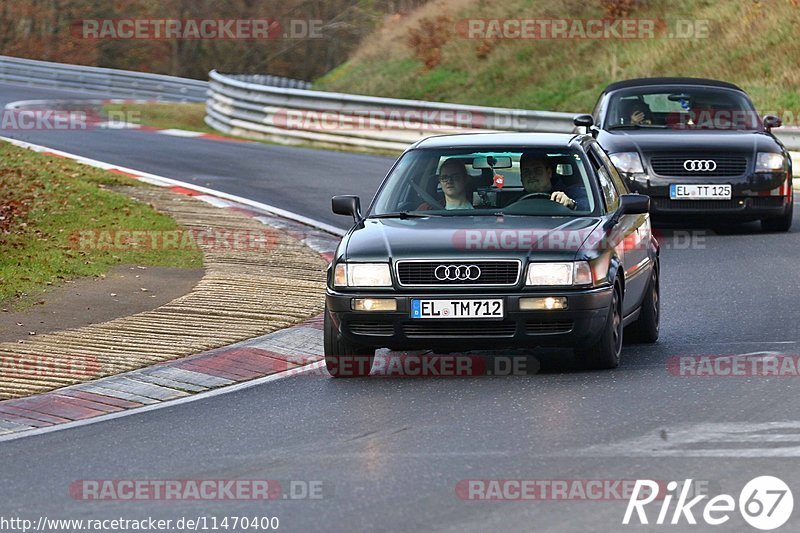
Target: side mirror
x=634 y=204
x=629 y=204
x=585 y=121
x=347 y=205
x=771 y=121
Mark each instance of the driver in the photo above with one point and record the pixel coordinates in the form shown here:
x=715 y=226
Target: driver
x=537 y=177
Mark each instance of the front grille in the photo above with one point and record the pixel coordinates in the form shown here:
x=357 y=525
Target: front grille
x=385 y=329
x=665 y=204
x=423 y=273
x=673 y=165
x=451 y=329
x=547 y=327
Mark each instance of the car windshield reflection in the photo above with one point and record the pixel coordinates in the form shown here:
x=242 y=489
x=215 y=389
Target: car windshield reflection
x=467 y=182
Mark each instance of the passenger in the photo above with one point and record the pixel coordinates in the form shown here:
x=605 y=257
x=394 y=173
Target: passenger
x=537 y=176
x=454 y=179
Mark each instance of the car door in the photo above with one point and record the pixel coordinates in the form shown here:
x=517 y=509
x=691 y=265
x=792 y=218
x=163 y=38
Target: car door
x=631 y=234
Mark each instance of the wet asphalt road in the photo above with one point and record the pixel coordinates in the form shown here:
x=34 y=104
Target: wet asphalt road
x=390 y=452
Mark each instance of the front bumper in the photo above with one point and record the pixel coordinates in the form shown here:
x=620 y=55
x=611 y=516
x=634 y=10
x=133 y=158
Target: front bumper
x=754 y=196
x=578 y=325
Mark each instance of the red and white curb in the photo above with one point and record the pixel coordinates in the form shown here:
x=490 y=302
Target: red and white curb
x=280 y=354
x=21 y=105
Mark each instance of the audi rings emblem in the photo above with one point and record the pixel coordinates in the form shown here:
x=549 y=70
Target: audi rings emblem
x=457 y=272
x=700 y=165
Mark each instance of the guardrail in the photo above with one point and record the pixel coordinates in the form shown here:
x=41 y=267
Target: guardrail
x=240 y=107
x=285 y=110
x=109 y=82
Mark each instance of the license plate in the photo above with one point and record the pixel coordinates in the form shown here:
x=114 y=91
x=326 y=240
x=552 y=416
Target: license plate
x=456 y=308
x=699 y=192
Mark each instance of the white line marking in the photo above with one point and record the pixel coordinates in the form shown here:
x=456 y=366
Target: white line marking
x=706 y=439
x=180 y=133
x=169 y=403
x=162 y=181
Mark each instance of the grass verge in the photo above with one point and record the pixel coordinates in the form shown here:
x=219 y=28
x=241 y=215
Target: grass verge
x=164 y=116
x=748 y=43
x=46 y=202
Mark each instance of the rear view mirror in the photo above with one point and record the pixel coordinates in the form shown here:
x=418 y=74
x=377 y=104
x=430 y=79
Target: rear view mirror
x=347 y=205
x=491 y=162
x=564 y=169
x=583 y=121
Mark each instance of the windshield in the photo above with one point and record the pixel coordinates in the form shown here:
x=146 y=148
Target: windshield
x=469 y=182
x=681 y=108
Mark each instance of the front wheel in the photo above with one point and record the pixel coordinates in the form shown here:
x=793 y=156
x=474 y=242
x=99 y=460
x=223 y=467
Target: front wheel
x=344 y=359
x=606 y=352
x=781 y=223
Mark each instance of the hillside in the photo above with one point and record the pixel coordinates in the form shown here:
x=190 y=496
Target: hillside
x=750 y=43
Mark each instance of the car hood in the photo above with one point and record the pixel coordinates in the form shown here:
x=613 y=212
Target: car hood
x=691 y=141
x=545 y=238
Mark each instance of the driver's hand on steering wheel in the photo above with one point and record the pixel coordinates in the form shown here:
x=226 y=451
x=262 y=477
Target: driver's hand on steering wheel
x=563 y=199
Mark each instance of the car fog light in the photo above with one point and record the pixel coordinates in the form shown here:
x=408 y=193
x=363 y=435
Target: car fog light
x=543 y=304
x=374 y=304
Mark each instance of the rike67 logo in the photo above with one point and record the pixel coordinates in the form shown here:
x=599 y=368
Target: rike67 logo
x=765 y=503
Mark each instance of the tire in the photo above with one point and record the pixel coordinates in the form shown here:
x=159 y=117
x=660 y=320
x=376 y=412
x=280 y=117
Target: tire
x=344 y=359
x=645 y=329
x=606 y=352
x=779 y=224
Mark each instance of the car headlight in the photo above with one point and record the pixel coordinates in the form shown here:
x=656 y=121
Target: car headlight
x=362 y=275
x=769 y=162
x=627 y=162
x=559 y=274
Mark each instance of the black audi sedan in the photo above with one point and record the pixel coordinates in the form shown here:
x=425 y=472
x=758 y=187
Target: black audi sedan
x=696 y=147
x=494 y=240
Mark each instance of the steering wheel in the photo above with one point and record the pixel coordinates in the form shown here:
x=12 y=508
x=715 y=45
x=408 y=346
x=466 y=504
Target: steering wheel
x=541 y=195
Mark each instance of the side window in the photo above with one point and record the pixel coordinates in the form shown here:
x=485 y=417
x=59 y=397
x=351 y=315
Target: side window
x=622 y=188
x=610 y=194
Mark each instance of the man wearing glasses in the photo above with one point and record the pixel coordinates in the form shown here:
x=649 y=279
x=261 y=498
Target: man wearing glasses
x=537 y=176
x=453 y=178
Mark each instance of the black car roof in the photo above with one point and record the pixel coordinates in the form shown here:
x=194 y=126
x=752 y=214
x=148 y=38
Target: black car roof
x=501 y=139
x=646 y=82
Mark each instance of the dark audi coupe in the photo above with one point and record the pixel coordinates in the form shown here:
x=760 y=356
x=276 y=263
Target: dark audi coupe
x=697 y=147
x=495 y=240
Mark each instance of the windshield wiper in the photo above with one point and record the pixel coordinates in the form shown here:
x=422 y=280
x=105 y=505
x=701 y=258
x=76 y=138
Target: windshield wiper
x=634 y=126
x=403 y=215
